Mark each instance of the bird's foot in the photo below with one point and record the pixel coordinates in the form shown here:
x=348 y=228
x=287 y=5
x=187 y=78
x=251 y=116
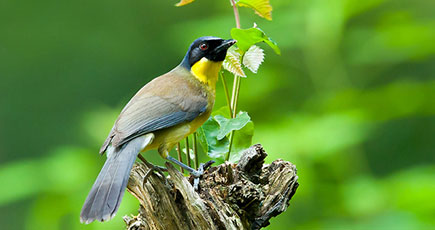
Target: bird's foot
x=200 y=172
x=152 y=168
x=196 y=174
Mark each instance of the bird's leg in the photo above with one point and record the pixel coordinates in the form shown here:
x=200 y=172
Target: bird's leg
x=156 y=167
x=142 y=158
x=152 y=168
x=193 y=172
x=201 y=169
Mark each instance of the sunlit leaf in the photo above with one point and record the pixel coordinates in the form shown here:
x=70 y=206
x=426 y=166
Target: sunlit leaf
x=232 y=63
x=261 y=7
x=228 y=125
x=253 y=58
x=242 y=140
x=207 y=137
x=248 y=37
x=184 y=2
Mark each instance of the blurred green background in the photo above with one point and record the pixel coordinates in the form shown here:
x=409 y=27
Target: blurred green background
x=351 y=102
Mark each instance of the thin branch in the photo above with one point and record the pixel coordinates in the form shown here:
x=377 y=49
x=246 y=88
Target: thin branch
x=233 y=95
x=187 y=151
x=179 y=155
x=227 y=95
x=236 y=97
x=142 y=158
x=233 y=115
x=236 y=13
x=195 y=150
x=236 y=84
x=227 y=157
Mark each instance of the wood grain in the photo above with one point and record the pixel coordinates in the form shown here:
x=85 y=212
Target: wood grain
x=231 y=196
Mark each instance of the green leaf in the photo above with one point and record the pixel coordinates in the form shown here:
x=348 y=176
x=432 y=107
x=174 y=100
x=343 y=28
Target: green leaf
x=261 y=7
x=241 y=141
x=207 y=137
x=202 y=139
x=248 y=37
x=228 y=125
x=184 y=2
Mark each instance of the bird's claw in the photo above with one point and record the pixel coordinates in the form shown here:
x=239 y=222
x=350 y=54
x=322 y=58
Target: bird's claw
x=153 y=168
x=199 y=173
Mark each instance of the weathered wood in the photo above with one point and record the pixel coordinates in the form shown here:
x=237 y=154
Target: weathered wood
x=231 y=196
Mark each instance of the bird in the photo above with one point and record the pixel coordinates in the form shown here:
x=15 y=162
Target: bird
x=163 y=112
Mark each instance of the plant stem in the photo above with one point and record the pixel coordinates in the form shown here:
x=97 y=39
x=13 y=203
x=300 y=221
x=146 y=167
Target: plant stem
x=236 y=97
x=195 y=151
x=187 y=151
x=227 y=157
x=233 y=95
x=236 y=13
x=224 y=82
x=236 y=85
x=179 y=155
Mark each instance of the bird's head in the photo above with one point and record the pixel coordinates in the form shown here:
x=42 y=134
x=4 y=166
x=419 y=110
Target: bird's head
x=210 y=48
x=205 y=56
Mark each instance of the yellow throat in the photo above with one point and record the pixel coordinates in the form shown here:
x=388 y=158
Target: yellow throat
x=206 y=71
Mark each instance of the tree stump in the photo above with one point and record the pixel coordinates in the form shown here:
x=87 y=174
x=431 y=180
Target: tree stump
x=231 y=196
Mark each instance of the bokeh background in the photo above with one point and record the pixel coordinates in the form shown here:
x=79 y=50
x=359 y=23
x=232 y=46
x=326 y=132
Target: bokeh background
x=351 y=102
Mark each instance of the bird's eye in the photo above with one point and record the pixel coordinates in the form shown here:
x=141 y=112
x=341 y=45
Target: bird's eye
x=203 y=46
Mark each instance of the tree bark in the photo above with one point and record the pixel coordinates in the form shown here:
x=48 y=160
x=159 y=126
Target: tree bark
x=231 y=196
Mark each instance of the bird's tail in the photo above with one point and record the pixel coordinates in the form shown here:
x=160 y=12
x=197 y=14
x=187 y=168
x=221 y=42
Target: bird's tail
x=106 y=194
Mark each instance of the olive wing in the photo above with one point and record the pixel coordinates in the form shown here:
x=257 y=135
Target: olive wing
x=148 y=112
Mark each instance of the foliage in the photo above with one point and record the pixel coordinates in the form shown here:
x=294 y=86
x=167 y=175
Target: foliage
x=228 y=125
x=251 y=56
x=208 y=136
x=214 y=134
x=232 y=62
x=249 y=37
x=261 y=7
x=184 y=2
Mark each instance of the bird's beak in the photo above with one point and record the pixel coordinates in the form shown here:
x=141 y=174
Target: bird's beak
x=225 y=45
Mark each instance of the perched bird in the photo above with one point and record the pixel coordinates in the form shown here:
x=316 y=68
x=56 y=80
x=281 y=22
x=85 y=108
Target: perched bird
x=162 y=113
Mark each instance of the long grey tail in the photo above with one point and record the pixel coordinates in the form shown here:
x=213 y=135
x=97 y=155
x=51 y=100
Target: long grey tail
x=106 y=194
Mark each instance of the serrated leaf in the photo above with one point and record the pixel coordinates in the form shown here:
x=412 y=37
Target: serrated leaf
x=261 y=7
x=253 y=58
x=207 y=137
x=248 y=37
x=228 y=125
x=242 y=140
x=232 y=63
x=184 y=2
